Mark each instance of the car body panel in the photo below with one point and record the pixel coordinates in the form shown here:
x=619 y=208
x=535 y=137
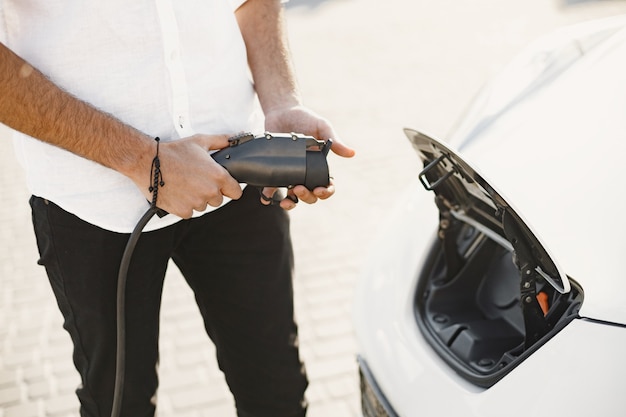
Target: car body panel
x=556 y=380
x=553 y=146
x=575 y=207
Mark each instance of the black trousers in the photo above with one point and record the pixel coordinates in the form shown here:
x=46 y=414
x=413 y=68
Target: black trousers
x=238 y=260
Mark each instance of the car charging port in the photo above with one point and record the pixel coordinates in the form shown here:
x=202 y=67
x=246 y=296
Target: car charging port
x=489 y=293
x=485 y=307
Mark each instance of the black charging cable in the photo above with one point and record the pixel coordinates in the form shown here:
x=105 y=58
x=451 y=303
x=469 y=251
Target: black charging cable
x=120 y=355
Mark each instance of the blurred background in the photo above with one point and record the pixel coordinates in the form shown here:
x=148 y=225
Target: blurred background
x=372 y=68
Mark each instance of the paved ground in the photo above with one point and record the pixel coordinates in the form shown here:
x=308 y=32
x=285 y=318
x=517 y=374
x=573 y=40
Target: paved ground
x=372 y=67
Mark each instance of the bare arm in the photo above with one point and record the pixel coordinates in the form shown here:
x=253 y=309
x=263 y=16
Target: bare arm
x=35 y=106
x=263 y=28
x=32 y=104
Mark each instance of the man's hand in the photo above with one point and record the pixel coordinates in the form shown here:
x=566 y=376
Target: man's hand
x=263 y=29
x=192 y=178
x=299 y=119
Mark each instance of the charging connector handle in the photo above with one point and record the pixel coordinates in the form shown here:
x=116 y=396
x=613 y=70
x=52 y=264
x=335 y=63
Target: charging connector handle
x=276 y=160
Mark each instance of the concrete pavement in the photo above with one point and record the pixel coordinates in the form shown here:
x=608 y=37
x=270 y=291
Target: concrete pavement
x=372 y=68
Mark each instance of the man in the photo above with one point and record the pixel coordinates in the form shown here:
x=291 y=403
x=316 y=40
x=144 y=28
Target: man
x=90 y=84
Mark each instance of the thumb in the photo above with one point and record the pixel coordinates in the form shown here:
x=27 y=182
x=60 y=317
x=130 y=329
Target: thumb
x=338 y=147
x=341 y=149
x=211 y=142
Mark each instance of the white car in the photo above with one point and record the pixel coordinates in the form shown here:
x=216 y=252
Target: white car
x=497 y=286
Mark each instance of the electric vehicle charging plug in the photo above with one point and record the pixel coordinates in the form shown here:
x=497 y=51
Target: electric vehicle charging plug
x=276 y=160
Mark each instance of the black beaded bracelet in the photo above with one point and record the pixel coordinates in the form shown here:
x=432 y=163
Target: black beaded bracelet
x=155 y=175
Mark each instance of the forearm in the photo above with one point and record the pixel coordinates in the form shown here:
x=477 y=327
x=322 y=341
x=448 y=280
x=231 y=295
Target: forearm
x=32 y=104
x=263 y=29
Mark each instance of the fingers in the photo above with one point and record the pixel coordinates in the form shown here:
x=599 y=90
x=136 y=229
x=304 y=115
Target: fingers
x=215 y=183
x=227 y=185
x=267 y=195
x=230 y=187
x=341 y=149
x=296 y=195
x=194 y=179
x=289 y=202
x=185 y=209
x=311 y=197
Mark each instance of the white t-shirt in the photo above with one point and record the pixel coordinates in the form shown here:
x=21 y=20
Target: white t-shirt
x=169 y=68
